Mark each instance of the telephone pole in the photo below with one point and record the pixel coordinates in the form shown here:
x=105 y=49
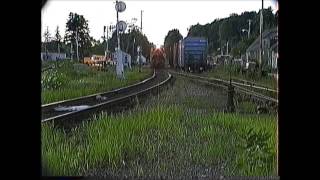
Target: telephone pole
x=118 y=37
x=107 y=39
x=104 y=38
x=77 y=44
x=227 y=48
x=141 y=21
x=220 y=39
x=261 y=30
x=71 y=53
x=249 y=28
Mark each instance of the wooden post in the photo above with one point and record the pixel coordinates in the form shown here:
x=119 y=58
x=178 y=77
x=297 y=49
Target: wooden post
x=230 y=102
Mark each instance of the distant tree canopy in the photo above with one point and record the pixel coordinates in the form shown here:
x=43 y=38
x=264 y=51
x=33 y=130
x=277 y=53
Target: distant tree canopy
x=89 y=46
x=57 y=35
x=129 y=41
x=98 y=47
x=78 y=24
x=171 y=38
x=229 y=29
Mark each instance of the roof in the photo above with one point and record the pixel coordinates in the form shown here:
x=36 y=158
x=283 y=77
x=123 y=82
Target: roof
x=268 y=34
x=193 y=39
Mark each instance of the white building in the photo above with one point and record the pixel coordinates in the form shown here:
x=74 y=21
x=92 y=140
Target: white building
x=270 y=48
x=126 y=59
x=53 y=56
x=143 y=60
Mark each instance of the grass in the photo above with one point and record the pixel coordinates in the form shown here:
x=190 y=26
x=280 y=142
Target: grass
x=248 y=107
x=73 y=80
x=224 y=73
x=107 y=141
x=170 y=134
x=45 y=64
x=221 y=135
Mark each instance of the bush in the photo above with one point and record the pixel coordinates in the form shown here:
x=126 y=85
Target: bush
x=257 y=155
x=51 y=79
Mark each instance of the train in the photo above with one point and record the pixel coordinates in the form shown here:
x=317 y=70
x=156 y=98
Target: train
x=192 y=54
x=189 y=54
x=158 y=58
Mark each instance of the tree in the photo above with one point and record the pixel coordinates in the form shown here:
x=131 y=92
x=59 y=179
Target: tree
x=170 y=40
x=47 y=37
x=130 y=41
x=229 y=29
x=98 y=47
x=58 y=38
x=77 y=34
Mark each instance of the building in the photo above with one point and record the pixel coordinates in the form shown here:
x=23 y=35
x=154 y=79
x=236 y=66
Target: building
x=222 y=59
x=143 y=60
x=126 y=59
x=270 y=49
x=53 y=56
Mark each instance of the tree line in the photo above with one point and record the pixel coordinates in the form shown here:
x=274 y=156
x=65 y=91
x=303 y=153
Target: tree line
x=221 y=31
x=77 y=32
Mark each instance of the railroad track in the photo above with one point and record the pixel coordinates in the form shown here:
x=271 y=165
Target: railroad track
x=78 y=109
x=244 y=83
x=238 y=87
x=253 y=85
x=54 y=66
x=46 y=68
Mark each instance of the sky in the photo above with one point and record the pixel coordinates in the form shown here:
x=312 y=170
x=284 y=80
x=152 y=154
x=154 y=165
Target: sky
x=158 y=17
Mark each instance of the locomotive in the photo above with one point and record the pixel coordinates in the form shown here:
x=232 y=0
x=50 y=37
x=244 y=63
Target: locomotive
x=157 y=58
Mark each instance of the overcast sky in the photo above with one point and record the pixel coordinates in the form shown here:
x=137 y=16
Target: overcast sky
x=159 y=16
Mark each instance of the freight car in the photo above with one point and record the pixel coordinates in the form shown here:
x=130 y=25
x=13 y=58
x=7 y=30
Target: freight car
x=192 y=54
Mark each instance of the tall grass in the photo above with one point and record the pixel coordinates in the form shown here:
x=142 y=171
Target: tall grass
x=73 y=80
x=223 y=72
x=170 y=133
x=150 y=134
x=108 y=141
x=223 y=142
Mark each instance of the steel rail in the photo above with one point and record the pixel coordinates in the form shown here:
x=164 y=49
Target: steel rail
x=224 y=84
x=107 y=105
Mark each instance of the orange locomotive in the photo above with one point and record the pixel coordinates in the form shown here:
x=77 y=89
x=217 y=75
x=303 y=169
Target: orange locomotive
x=157 y=58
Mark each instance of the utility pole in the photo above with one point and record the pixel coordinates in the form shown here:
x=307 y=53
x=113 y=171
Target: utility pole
x=141 y=21
x=227 y=48
x=220 y=40
x=104 y=38
x=46 y=41
x=77 y=44
x=134 y=40
x=261 y=30
x=249 y=28
x=71 y=50
x=107 y=40
x=139 y=57
x=118 y=37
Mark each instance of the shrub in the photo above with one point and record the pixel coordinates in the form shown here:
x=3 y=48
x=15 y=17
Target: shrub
x=257 y=155
x=51 y=79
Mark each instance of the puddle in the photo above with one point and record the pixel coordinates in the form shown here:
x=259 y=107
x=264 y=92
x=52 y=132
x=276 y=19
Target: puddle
x=71 y=108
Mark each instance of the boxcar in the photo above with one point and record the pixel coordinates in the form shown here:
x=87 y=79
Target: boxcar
x=193 y=53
